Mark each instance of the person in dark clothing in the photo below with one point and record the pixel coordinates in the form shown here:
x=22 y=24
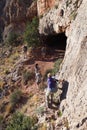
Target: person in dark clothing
x=25 y=51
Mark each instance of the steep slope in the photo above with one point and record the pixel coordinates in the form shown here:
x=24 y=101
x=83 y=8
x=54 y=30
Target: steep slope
x=72 y=21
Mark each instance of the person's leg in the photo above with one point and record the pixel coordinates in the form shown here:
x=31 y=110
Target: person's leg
x=52 y=98
x=47 y=97
x=47 y=101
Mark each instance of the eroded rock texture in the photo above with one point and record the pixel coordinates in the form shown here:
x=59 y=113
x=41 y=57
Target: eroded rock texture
x=73 y=21
x=44 y=5
x=16 y=13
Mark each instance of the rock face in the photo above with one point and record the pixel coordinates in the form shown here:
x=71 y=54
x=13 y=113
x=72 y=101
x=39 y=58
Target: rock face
x=73 y=21
x=15 y=15
x=44 y=5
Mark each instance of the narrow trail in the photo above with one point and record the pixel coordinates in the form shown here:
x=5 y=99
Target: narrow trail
x=37 y=92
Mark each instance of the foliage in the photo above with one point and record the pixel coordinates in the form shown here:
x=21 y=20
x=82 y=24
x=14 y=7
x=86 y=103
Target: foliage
x=27 y=76
x=21 y=122
x=57 y=66
x=54 y=70
x=15 y=97
x=12 y=39
x=1 y=119
x=59 y=113
x=31 y=35
x=40 y=110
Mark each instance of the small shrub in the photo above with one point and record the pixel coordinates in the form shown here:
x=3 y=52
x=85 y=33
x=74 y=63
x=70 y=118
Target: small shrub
x=59 y=113
x=21 y=122
x=54 y=70
x=40 y=110
x=27 y=76
x=57 y=66
x=1 y=119
x=12 y=39
x=15 y=97
x=31 y=35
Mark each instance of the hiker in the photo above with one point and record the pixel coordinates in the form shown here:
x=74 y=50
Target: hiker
x=43 y=52
x=51 y=88
x=25 y=51
x=37 y=74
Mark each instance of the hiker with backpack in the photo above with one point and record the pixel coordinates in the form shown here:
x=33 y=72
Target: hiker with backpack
x=51 y=88
x=38 y=75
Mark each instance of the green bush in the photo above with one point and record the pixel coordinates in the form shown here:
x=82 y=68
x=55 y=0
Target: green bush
x=15 y=97
x=21 y=122
x=40 y=110
x=27 y=76
x=31 y=35
x=12 y=39
x=54 y=70
x=57 y=66
x=1 y=119
x=59 y=113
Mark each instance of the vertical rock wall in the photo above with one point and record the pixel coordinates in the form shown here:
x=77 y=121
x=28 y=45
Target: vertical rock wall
x=74 y=70
x=74 y=66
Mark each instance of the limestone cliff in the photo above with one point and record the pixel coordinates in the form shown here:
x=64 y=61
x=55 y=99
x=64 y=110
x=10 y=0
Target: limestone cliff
x=70 y=17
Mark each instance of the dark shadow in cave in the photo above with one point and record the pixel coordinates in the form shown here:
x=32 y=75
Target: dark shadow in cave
x=56 y=41
x=56 y=46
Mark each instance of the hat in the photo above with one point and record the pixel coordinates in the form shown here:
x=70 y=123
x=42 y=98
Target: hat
x=49 y=75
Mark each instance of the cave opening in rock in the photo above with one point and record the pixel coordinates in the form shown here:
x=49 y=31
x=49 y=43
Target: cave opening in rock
x=56 y=41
